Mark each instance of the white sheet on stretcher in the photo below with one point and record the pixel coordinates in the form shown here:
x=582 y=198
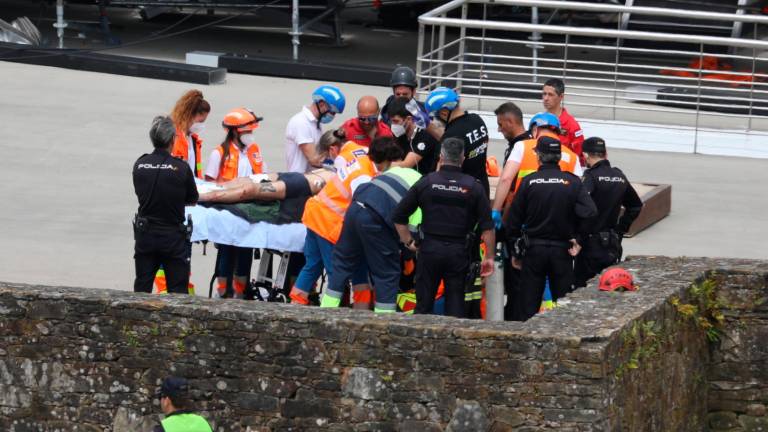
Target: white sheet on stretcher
x=220 y=226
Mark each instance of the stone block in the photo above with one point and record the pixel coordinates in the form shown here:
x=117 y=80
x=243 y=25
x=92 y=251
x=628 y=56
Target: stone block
x=468 y=416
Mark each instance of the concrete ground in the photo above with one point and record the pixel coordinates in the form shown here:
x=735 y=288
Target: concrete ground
x=69 y=139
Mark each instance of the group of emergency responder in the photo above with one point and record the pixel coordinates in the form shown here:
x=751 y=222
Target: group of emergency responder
x=408 y=201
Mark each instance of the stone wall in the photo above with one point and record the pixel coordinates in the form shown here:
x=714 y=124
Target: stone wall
x=90 y=360
x=738 y=371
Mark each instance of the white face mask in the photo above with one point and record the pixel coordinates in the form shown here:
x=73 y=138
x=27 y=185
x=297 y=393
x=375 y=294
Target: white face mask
x=398 y=130
x=197 y=128
x=247 y=139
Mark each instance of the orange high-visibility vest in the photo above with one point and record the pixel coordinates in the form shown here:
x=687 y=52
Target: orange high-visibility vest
x=530 y=163
x=229 y=170
x=324 y=212
x=180 y=149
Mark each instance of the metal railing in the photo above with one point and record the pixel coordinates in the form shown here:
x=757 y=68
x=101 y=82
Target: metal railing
x=669 y=78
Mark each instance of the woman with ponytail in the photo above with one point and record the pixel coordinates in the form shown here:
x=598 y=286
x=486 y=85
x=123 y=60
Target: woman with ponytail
x=189 y=115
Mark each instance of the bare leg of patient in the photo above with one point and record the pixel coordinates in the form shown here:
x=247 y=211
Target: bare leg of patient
x=244 y=189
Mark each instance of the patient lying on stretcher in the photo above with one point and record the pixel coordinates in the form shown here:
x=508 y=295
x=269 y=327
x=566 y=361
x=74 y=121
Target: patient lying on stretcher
x=279 y=186
x=269 y=187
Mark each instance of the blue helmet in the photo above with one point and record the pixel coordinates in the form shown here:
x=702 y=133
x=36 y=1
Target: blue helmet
x=441 y=98
x=544 y=119
x=332 y=96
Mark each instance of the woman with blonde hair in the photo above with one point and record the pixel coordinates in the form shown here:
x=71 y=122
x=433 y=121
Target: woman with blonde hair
x=189 y=115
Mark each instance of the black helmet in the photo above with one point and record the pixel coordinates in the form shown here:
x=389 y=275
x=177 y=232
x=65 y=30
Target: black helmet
x=403 y=75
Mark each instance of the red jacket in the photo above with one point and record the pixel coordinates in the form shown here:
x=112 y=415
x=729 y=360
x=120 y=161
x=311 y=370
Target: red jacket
x=356 y=133
x=571 y=134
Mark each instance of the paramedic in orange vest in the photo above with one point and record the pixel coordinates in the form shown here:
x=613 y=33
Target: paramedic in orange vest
x=571 y=135
x=522 y=160
x=323 y=217
x=237 y=156
x=189 y=115
x=366 y=126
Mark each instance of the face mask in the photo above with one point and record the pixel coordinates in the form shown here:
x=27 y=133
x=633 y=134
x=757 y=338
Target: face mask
x=247 y=139
x=398 y=130
x=327 y=118
x=197 y=128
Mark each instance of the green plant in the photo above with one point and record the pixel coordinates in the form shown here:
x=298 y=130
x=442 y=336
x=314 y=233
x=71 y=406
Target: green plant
x=131 y=336
x=643 y=341
x=704 y=310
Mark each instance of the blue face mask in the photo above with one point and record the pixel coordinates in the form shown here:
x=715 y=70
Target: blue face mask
x=327 y=118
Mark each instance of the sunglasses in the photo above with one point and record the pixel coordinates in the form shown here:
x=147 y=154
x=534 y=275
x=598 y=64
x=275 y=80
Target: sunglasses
x=368 y=119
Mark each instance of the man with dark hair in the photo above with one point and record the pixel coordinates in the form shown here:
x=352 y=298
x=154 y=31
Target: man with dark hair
x=610 y=189
x=453 y=204
x=544 y=224
x=367 y=234
x=163 y=185
x=420 y=148
x=552 y=95
x=177 y=408
x=403 y=83
x=509 y=117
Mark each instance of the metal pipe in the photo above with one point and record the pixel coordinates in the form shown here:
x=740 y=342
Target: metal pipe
x=295 y=29
x=698 y=100
x=535 y=37
x=618 y=9
x=60 y=24
x=441 y=52
x=594 y=32
x=462 y=35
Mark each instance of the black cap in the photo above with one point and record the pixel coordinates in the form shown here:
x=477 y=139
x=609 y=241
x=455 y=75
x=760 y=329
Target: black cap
x=593 y=145
x=548 y=145
x=173 y=386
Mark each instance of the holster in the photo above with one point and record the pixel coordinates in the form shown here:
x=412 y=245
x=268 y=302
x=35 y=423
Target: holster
x=472 y=274
x=140 y=225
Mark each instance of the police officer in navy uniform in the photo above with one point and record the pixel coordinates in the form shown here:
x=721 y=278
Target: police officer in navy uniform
x=610 y=190
x=549 y=211
x=163 y=185
x=452 y=204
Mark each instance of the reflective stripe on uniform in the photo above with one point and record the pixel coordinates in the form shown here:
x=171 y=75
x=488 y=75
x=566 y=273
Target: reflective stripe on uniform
x=386 y=187
x=325 y=199
x=384 y=308
x=329 y=301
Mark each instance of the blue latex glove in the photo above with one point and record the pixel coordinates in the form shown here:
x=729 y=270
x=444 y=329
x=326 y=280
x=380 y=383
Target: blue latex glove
x=496 y=216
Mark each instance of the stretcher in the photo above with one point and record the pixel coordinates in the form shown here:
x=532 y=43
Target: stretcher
x=274 y=241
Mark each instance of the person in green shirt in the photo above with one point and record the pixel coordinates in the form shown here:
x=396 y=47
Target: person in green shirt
x=177 y=407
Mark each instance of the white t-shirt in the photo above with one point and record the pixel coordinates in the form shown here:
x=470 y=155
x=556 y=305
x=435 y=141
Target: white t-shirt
x=302 y=129
x=243 y=165
x=517 y=156
x=191 y=152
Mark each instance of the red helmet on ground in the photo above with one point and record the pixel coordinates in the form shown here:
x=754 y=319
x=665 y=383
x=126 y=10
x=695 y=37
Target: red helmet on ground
x=242 y=119
x=615 y=278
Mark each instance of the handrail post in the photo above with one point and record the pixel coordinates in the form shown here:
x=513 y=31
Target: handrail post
x=535 y=37
x=419 y=55
x=482 y=60
x=441 y=51
x=698 y=99
x=752 y=83
x=462 y=37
